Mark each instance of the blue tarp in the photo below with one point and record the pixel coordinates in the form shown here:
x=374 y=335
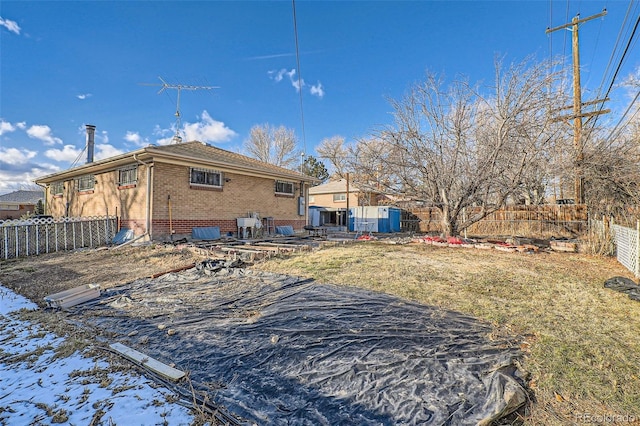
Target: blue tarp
x=285 y=230
x=207 y=233
x=122 y=236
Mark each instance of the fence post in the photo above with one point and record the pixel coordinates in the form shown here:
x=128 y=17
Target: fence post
x=6 y=242
x=464 y=219
x=637 y=251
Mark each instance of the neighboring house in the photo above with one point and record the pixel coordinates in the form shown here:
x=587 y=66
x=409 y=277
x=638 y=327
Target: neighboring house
x=164 y=190
x=19 y=203
x=330 y=201
x=334 y=194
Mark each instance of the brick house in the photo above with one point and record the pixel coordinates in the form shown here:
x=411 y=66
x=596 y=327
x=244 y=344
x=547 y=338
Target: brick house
x=16 y=204
x=164 y=190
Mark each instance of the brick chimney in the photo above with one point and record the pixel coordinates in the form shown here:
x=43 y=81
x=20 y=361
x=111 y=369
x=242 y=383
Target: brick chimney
x=91 y=133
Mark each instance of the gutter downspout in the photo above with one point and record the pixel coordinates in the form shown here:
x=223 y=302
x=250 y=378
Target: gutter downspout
x=147 y=225
x=46 y=197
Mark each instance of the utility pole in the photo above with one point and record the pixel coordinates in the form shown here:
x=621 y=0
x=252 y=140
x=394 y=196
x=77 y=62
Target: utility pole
x=577 y=103
x=177 y=138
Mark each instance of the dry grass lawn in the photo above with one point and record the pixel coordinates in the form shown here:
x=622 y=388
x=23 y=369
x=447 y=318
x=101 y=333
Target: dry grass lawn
x=581 y=341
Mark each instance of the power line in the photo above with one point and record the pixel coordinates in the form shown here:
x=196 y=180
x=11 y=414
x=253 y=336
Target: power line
x=610 y=137
x=624 y=54
x=615 y=48
x=615 y=75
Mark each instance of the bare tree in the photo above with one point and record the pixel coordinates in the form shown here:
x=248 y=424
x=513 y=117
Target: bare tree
x=274 y=145
x=335 y=151
x=456 y=147
x=612 y=173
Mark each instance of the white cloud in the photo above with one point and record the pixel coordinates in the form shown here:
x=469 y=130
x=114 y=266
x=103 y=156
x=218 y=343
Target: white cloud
x=14 y=156
x=208 y=130
x=67 y=153
x=13 y=180
x=164 y=141
x=136 y=139
x=83 y=96
x=317 y=90
x=106 y=151
x=10 y=25
x=103 y=137
x=6 y=127
x=205 y=130
x=159 y=131
x=43 y=133
x=277 y=75
x=297 y=83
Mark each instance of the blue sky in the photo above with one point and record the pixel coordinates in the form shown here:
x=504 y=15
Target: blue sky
x=64 y=64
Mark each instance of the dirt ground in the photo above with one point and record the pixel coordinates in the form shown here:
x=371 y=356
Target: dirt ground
x=39 y=276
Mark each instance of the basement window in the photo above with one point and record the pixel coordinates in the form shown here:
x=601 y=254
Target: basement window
x=85 y=183
x=57 y=188
x=206 y=177
x=128 y=176
x=284 y=188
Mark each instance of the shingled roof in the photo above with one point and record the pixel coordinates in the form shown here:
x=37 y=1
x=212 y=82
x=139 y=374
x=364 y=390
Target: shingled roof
x=189 y=153
x=22 y=197
x=200 y=151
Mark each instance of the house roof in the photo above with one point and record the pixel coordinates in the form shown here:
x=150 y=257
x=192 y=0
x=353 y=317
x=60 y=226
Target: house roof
x=333 y=187
x=22 y=197
x=195 y=154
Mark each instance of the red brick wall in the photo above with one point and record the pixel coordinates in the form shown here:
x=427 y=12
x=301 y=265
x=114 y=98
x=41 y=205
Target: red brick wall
x=191 y=206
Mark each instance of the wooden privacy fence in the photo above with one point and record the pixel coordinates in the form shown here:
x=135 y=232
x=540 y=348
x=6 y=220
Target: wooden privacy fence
x=542 y=221
x=19 y=238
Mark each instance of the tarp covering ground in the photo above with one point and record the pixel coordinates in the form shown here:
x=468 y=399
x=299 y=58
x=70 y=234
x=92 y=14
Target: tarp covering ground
x=275 y=349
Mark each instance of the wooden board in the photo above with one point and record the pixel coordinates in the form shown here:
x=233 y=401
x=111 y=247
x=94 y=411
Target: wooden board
x=72 y=297
x=148 y=362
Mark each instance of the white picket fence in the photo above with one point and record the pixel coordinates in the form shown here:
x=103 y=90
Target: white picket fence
x=28 y=237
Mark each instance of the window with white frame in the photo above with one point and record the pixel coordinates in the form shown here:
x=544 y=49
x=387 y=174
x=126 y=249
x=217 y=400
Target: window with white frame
x=85 y=183
x=339 y=197
x=283 y=187
x=206 y=177
x=128 y=175
x=57 y=188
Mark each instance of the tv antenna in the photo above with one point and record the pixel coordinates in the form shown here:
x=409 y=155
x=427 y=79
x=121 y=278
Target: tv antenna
x=177 y=138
